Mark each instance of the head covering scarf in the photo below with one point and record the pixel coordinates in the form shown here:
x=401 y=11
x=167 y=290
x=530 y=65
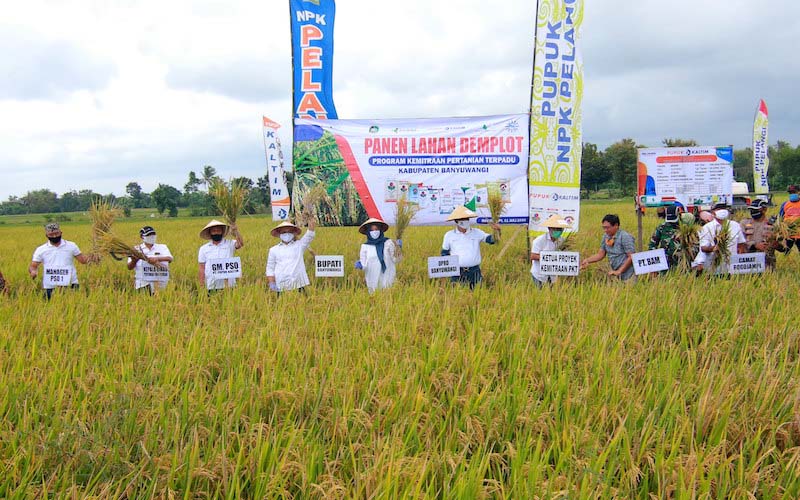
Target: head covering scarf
x=378 y=243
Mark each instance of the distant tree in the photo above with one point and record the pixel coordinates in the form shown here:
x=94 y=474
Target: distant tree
x=743 y=165
x=134 y=190
x=788 y=166
x=594 y=171
x=261 y=190
x=679 y=143
x=209 y=175
x=70 y=202
x=40 y=201
x=193 y=184
x=621 y=160
x=166 y=198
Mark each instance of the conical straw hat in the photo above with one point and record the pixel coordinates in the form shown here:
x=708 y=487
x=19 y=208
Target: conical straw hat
x=206 y=235
x=286 y=223
x=363 y=228
x=555 y=221
x=462 y=213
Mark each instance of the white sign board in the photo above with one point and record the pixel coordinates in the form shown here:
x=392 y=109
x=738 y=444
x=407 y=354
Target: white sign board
x=444 y=266
x=57 y=276
x=651 y=261
x=748 y=263
x=693 y=176
x=150 y=273
x=559 y=263
x=225 y=268
x=329 y=266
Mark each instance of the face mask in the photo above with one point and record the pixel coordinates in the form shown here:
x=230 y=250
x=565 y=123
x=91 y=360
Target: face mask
x=150 y=240
x=55 y=240
x=463 y=224
x=557 y=233
x=216 y=237
x=374 y=235
x=287 y=237
x=794 y=197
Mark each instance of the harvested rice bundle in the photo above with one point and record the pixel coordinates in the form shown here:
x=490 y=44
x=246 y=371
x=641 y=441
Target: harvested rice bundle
x=102 y=213
x=497 y=206
x=229 y=199
x=404 y=214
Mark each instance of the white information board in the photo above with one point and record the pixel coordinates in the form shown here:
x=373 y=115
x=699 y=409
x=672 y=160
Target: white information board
x=651 y=261
x=559 y=263
x=748 y=263
x=57 y=276
x=151 y=273
x=693 y=176
x=444 y=266
x=329 y=266
x=222 y=269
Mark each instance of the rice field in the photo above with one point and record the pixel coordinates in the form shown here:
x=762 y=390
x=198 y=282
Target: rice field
x=673 y=387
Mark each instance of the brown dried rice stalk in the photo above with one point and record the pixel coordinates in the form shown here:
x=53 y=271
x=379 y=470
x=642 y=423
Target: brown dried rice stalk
x=229 y=199
x=102 y=213
x=403 y=215
x=689 y=240
x=312 y=199
x=782 y=231
x=110 y=243
x=496 y=208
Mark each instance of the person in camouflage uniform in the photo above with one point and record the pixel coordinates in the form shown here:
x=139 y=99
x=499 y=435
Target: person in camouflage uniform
x=666 y=236
x=757 y=230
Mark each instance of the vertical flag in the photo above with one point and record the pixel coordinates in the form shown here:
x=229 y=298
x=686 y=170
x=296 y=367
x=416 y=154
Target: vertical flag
x=554 y=164
x=278 y=193
x=760 y=149
x=312 y=58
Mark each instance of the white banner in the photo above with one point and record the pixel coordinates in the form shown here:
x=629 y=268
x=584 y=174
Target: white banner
x=444 y=266
x=57 y=276
x=226 y=268
x=760 y=150
x=559 y=263
x=329 y=266
x=151 y=273
x=278 y=192
x=651 y=261
x=689 y=177
x=556 y=114
x=748 y=263
x=437 y=164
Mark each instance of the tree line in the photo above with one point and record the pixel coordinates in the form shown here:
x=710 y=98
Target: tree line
x=613 y=169
x=165 y=199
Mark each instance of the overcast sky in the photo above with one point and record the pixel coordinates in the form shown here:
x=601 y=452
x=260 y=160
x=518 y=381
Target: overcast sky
x=95 y=94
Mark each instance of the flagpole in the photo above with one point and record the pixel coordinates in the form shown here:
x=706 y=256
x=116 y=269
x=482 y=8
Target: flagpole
x=530 y=120
x=291 y=115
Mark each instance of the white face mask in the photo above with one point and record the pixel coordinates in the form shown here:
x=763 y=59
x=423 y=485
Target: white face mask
x=463 y=224
x=287 y=237
x=374 y=234
x=150 y=240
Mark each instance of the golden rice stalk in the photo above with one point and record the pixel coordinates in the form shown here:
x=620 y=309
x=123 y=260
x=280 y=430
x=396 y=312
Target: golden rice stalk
x=102 y=214
x=782 y=230
x=229 y=199
x=565 y=244
x=403 y=215
x=722 y=257
x=110 y=243
x=496 y=208
x=312 y=202
x=689 y=240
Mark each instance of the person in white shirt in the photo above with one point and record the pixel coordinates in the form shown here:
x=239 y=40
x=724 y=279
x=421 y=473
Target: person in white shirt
x=157 y=255
x=548 y=242
x=708 y=239
x=464 y=242
x=378 y=255
x=286 y=269
x=57 y=258
x=217 y=248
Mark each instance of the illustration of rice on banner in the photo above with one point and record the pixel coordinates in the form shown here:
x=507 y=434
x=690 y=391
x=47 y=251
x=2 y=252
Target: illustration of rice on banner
x=434 y=165
x=556 y=115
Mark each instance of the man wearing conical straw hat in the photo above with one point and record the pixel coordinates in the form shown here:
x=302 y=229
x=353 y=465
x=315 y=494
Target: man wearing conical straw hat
x=464 y=241
x=378 y=255
x=286 y=269
x=548 y=242
x=218 y=247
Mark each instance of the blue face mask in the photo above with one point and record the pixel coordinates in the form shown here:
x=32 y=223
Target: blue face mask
x=794 y=197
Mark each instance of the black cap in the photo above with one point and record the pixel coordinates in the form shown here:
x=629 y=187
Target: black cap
x=671 y=214
x=146 y=231
x=719 y=205
x=793 y=189
x=758 y=204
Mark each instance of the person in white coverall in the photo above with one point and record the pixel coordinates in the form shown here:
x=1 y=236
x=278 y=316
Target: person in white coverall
x=378 y=255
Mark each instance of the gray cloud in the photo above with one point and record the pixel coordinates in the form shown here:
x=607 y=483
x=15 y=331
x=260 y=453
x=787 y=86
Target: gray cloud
x=33 y=68
x=251 y=80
